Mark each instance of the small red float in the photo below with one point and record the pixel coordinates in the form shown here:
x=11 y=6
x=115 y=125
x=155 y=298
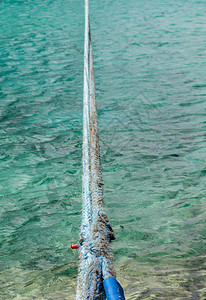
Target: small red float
x=75 y=246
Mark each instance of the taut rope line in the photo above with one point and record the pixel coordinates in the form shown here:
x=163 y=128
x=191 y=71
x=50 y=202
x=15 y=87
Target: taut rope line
x=96 y=278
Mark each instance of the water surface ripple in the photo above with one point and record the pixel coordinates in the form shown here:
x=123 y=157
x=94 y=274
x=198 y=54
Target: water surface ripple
x=150 y=73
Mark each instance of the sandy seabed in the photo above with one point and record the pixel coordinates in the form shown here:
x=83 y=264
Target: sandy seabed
x=139 y=280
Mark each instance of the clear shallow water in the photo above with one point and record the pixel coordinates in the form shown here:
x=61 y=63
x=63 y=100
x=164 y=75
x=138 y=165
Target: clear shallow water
x=150 y=75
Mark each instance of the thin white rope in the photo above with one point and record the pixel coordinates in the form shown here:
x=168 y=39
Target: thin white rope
x=86 y=178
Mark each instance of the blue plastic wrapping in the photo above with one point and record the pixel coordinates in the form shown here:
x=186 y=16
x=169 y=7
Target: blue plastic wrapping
x=113 y=289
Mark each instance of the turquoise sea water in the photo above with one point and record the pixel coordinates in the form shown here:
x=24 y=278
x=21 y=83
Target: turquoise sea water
x=150 y=69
